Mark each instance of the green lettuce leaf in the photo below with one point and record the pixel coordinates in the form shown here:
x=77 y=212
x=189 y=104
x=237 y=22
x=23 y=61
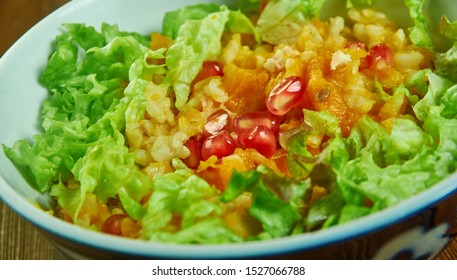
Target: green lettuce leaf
x=64 y=60
x=351 y=212
x=364 y=176
x=283 y=20
x=448 y=28
x=131 y=205
x=112 y=31
x=420 y=32
x=210 y=231
x=173 y=20
x=277 y=202
x=449 y=100
x=369 y=164
x=193 y=199
x=417 y=154
x=69 y=58
x=198 y=30
x=197 y=41
x=313 y=7
x=325 y=212
x=114 y=59
x=104 y=170
x=84 y=117
x=238 y=22
x=437 y=111
x=437 y=86
x=73 y=119
x=315 y=125
x=406 y=140
x=249 y=6
x=446 y=63
x=68 y=199
x=141 y=69
x=50 y=157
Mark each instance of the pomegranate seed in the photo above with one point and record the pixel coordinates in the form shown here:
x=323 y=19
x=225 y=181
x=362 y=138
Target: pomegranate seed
x=260 y=138
x=209 y=68
x=112 y=225
x=194 y=146
x=253 y=119
x=218 y=121
x=221 y=144
x=354 y=45
x=379 y=57
x=285 y=95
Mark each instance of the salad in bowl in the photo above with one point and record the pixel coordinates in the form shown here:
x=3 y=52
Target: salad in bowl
x=244 y=122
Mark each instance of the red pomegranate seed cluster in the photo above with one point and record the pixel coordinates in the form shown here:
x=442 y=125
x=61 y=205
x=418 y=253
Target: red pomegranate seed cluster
x=255 y=130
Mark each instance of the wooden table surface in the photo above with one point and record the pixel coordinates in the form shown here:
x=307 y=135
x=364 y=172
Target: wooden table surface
x=18 y=238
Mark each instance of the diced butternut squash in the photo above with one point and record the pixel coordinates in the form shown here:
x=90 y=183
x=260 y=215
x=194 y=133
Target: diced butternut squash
x=159 y=41
x=246 y=89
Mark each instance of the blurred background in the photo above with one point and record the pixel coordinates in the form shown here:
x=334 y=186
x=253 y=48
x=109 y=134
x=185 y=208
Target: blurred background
x=17 y=16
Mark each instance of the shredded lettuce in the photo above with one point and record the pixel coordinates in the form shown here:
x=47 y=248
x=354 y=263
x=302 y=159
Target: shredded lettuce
x=106 y=170
x=369 y=163
x=198 y=30
x=173 y=20
x=210 y=231
x=420 y=32
x=282 y=21
x=448 y=28
x=315 y=126
x=325 y=212
x=197 y=41
x=110 y=32
x=84 y=118
x=277 y=202
x=446 y=63
x=192 y=198
x=249 y=6
x=240 y=23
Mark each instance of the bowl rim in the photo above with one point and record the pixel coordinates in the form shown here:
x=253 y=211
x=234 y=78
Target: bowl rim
x=254 y=249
